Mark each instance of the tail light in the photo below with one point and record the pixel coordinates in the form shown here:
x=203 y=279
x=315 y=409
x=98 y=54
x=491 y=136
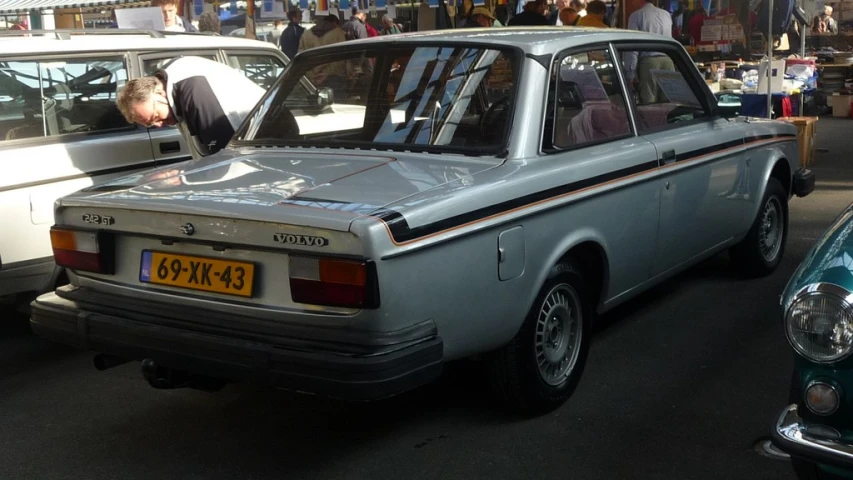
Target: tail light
x=336 y=283
x=83 y=250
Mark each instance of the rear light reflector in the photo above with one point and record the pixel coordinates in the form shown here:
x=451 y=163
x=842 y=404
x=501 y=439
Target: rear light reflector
x=336 y=283
x=82 y=250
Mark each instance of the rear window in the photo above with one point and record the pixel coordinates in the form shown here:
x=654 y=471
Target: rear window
x=57 y=97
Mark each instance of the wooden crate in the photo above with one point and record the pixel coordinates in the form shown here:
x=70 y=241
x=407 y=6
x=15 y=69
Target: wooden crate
x=806 y=137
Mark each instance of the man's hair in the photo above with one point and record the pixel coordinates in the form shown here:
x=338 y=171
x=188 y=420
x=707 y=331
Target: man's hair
x=160 y=3
x=292 y=14
x=209 y=22
x=333 y=19
x=534 y=5
x=135 y=92
x=568 y=15
x=596 y=7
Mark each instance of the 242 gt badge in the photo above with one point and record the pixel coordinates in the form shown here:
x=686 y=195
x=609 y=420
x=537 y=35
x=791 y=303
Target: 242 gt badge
x=303 y=240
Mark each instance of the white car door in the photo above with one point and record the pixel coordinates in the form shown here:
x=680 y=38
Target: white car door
x=60 y=131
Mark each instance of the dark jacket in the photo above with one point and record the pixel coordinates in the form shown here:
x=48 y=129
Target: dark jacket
x=354 y=29
x=289 y=40
x=528 y=19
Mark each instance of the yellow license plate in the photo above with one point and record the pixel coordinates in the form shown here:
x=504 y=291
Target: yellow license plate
x=197 y=273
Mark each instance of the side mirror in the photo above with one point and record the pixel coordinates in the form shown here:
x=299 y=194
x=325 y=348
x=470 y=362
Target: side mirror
x=325 y=97
x=728 y=106
x=728 y=111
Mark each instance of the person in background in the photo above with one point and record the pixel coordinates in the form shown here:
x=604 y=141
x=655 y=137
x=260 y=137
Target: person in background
x=694 y=25
x=275 y=34
x=824 y=23
x=481 y=17
x=388 y=26
x=569 y=17
x=113 y=21
x=579 y=6
x=371 y=32
x=173 y=21
x=533 y=14
x=326 y=31
x=196 y=94
x=354 y=27
x=639 y=66
x=290 y=38
x=209 y=22
x=554 y=17
x=595 y=12
x=678 y=17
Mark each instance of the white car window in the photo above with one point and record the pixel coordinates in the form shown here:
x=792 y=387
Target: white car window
x=151 y=65
x=79 y=95
x=261 y=69
x=20 y=101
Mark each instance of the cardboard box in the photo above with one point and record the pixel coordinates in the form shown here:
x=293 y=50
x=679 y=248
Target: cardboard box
x=806 y=137
x=840 y=104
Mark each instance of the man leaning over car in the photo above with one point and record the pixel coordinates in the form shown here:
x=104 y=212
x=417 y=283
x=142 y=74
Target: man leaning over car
x=208 y=101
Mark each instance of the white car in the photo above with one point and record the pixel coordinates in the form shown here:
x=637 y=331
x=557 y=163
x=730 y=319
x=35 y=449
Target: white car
x=61 y=131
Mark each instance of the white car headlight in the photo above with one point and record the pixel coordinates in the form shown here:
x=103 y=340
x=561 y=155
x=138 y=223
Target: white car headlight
x=819 y=325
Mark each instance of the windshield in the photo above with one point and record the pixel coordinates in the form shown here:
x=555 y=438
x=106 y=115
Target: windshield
x=446 y=98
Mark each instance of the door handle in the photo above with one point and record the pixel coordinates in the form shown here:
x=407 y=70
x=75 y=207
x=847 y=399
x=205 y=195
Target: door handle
x=170 y=147
x=668 y=157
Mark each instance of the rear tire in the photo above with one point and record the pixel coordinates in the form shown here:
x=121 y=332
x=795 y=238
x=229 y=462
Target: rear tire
x=761 y=251
x=541 y=366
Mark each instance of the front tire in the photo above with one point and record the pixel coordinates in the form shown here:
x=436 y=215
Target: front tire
x=761 y=251
x=541 y=366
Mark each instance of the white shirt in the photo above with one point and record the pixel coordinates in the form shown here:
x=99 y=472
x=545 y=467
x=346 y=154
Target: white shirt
x=651 y=19
x=648 y=18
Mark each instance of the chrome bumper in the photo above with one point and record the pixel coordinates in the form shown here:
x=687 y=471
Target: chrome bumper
x=791 y=436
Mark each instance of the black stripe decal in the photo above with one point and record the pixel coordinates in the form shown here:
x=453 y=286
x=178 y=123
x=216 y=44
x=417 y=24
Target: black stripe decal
x=402 y=232
x=96 y=173
x=699 y=152
x=723 y=146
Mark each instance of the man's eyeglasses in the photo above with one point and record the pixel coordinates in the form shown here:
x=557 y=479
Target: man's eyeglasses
x=155 y=117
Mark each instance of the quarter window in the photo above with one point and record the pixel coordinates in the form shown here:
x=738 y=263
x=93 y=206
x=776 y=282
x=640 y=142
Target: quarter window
x=261 y=69
x=660 y=88
x=586 y=102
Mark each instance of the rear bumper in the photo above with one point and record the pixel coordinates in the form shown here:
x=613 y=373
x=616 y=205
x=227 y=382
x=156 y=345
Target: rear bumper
x=803 y=182
x=791 y=435
x=366 y=367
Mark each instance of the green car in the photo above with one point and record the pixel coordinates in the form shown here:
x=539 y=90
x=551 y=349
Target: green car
x=816 y=429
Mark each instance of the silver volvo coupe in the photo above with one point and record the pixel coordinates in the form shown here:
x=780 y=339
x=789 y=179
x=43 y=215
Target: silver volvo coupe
x=396 y=203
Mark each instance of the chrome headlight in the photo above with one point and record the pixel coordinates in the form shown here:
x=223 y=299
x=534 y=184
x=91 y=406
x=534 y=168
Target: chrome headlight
x=819 y=324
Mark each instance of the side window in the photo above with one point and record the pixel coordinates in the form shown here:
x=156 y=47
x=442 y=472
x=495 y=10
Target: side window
x=586 y=104
x=261 y=69
x=660 y=89
x=20 y=101
x=80 y=94
x=151 y=65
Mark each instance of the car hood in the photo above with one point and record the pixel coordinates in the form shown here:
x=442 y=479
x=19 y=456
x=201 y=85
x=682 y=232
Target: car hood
x=829 y=261
x=259 y=184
